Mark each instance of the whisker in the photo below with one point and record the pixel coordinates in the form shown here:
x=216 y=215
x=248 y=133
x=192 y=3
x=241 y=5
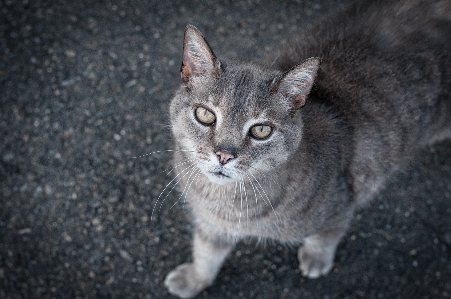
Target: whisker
x=274 y=181
x=241 y=204
x=274 y=61
x=176 y=166
x=173 y=187
x=224 y=198
x=199 y=172
x=164 y=189
x=266 y=195
x=258 y=190
x=253 y=187
x=158 y=152
x=271 y=177
x=188 y=184
x=234 y=194
x=255 y=194
x=229 y=206
x=247 y=204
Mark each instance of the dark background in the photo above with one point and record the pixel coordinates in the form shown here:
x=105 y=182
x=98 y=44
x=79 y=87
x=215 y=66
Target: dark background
x=84 y=85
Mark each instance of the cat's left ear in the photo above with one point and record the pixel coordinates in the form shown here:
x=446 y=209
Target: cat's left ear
x=297 y=82
x=198 y=57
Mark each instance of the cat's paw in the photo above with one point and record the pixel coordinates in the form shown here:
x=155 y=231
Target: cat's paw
x=315 y=262
x=184 y=282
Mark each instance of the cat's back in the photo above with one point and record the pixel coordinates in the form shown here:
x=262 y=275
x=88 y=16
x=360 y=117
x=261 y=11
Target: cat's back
x=383 y=62
x=377 y=45
x=386 y=67
x=369 y=27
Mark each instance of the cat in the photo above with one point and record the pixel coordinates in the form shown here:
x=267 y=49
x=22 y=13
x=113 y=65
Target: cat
x=288 y=148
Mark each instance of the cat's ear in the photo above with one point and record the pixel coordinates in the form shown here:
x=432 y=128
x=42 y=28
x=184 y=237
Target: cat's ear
x=296 y=83
x=198 y=57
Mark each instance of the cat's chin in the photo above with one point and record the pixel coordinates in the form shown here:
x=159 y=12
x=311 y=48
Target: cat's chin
x=220 y=178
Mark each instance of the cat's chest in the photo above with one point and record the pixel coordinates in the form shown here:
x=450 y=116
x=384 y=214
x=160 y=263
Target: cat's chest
x=255 y=209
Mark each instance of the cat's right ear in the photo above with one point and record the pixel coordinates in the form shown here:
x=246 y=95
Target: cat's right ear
x=198 y=57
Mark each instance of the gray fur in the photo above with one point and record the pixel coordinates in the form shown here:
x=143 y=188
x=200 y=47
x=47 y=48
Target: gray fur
x=341 y=124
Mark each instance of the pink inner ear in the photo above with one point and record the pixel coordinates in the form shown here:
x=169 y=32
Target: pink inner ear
x=186 y=71
x=299 y=101
x=190 y=66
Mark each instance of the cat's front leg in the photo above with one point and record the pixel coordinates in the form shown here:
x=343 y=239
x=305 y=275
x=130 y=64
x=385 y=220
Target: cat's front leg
x=316 y=256
x=187 y=280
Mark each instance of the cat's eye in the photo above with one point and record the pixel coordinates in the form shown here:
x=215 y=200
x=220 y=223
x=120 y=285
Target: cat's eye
x=205 y=116
x=260 y=131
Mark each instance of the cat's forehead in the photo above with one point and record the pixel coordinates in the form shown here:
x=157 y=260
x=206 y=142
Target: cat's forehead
x=241 y=93
x=242 y=88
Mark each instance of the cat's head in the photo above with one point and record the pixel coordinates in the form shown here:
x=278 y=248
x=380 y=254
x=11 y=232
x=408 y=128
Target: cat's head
x=238 y=120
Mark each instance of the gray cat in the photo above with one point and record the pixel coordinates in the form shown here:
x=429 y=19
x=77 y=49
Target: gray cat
x=288 y=151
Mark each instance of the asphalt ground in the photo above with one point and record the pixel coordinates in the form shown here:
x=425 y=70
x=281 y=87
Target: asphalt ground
x=84 y=85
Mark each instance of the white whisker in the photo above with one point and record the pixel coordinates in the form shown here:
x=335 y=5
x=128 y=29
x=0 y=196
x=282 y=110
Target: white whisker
x=255 y=194
x=164 y=189
x=270 y=177
x=223 y=197
x=234 y=194
x=247 y=204
x=229 y=204
x=188 y=184
x=258 y=190
x=274 y=61
x=253 y=188
x=241 y=204
x=199 y=172
x=173 y=187
x=159 y=152
x=176 y=166
x=266 y=195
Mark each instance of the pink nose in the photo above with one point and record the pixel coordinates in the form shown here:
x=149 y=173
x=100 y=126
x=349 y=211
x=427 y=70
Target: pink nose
x=224 y=157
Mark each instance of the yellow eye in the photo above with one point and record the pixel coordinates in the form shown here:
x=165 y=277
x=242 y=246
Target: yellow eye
x=260 y=131
x=204 y=116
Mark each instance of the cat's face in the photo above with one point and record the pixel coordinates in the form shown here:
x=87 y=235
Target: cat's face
x=236 y=120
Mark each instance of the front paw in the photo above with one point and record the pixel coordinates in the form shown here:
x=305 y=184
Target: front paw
x=314 y=262
x=184 y=282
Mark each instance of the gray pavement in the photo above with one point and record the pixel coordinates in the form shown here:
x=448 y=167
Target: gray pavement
x=84 y=85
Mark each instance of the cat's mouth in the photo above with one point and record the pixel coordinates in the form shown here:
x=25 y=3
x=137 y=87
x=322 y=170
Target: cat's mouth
x=220 y=174
x=221 y=177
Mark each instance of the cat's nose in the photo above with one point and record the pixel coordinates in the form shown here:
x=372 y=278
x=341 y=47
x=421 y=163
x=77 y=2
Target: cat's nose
x=224 y=157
